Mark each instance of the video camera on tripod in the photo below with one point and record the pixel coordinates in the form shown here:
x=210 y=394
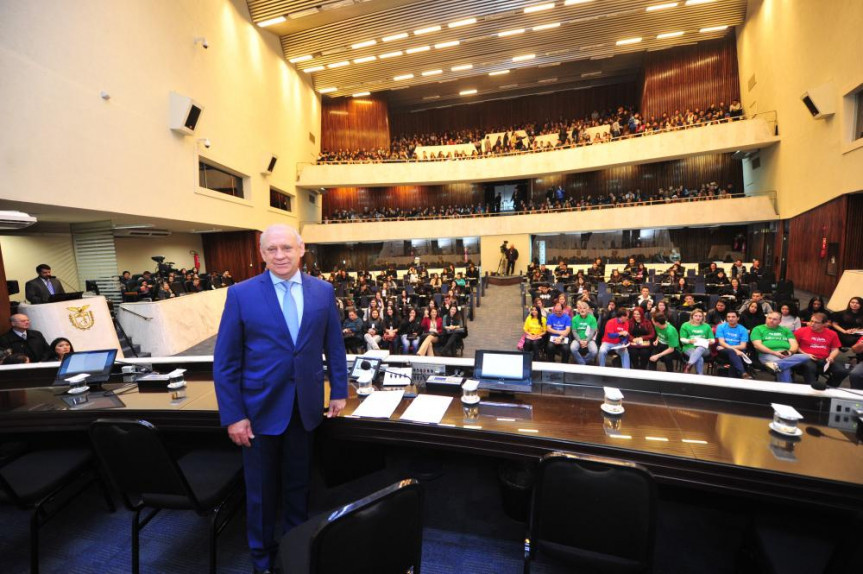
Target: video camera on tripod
x=163 y=268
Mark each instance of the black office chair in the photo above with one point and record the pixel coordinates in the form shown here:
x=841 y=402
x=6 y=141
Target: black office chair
x=381 y=533
x=136 y=458
x=45 y=481
x=592 y=514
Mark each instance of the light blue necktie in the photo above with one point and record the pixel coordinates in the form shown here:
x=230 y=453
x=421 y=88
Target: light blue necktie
x=50 y=287
x=289 y=309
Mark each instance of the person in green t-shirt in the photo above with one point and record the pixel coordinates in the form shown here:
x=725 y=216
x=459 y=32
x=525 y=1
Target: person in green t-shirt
x=583 y=334
x=665 y=345
x=696 y=336
x=777 y=347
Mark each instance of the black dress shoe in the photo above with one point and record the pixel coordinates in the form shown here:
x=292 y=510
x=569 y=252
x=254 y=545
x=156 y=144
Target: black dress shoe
x=267 y=571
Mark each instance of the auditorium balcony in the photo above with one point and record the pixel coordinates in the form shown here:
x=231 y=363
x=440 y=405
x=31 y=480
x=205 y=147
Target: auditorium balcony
x=739 y=136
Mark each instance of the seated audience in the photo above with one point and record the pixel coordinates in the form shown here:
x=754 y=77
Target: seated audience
x=732 y=339
x=717 y=315
x=738 y=270
x=816 y=305
x=164 y=291
x=564 y=304
x=667 y=343
x=390 y=334
x=644 y=297
x=410 y=331
x=558 y=326
x=15 y=359
x=432 y=328
x=642 y=332
x=789 y=318
x=373 y=329
x=752 y=316
x=616 y=338
x=696 y=337
x=777 y=348
x=352 y=331
x=583 y=331
x=757 y=297
x=453 y=331
x=733 y=291
x=849 y=323
x=59 y=348
x=821 y=344
x=21 y=339
x=534 y=331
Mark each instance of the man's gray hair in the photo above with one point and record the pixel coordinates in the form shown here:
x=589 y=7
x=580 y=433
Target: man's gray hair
x=281 y=226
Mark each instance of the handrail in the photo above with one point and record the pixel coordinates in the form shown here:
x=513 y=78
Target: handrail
x=144 y=317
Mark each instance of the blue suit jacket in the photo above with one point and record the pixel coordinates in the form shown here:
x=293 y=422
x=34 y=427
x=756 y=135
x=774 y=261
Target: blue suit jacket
x=258 y=369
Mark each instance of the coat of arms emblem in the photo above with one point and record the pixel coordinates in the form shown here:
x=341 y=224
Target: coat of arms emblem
x=81 y=318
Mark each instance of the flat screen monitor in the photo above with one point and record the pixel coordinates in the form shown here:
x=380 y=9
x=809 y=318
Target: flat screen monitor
x=505 y=370
x=97 y=364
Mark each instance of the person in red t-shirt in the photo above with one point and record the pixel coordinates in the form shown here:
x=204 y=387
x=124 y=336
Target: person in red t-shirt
x=822 y=346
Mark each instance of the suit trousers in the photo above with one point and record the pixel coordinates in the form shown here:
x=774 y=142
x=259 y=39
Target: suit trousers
x=277 y=468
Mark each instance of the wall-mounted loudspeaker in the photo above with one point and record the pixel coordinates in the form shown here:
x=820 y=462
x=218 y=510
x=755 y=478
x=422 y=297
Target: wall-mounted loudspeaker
x=820 y=101
x=269 y=164
x=185 y=113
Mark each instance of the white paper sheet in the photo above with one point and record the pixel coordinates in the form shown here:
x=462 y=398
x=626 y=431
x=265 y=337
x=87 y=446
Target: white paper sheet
x=427 y=409
x=379 y=404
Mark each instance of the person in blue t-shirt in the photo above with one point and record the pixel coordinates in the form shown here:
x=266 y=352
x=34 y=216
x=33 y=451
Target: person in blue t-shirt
x=732 y=338
x=558 y=326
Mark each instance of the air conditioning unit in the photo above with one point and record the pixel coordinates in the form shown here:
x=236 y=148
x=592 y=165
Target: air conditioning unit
x=15 y=220
x=141 y=233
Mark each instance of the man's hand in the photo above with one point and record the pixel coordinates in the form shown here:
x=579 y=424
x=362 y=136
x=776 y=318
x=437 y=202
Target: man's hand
x=336 y=407
x=241 y=433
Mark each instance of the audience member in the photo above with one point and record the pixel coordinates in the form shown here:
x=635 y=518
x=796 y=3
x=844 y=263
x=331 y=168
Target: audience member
x=534 y=331
x=752 y=316
x=24 y=340
x=352 y=331
x=733 y=339
x=410 y=331
x=849 y=323
x=777 y=348
x=59 y=348
x=391 y=325
x=616 y=338
x=821 y=344
x=558 y=327
x=642 y=332
x=696 y=337
x=584 y=329
x=789 y=318
x=373 y=329
x=15 y=359
x=432 y=327
x=453 y=331
x=816 y=305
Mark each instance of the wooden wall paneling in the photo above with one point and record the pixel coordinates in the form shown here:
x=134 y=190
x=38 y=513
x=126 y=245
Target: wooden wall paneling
x=690 y=77
x=5 y=311
x=695 y=243
x=853 y=233
x=352 y=124
x=235 y=251
x=486 y=116
x=806 y=267
x=403 y=197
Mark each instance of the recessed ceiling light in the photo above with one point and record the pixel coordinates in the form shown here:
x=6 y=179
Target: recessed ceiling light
x=432 y=72
x=403 y=77
x=461 y=67
x=546 y=26
x=538 y=8
x=665 y=6
x=697 y=2
x=341 y=64
x=365 y=59
x=669 y=35
x=459 y=23
x=271 y=21
x=395 y=37
x=574 y=2
x=326 y=90
x=304 y=13
x=510 y=33
x=417 y=49
x=431 y=97
x=313 y=69
x=467 y=92
x=524 y=58
x=428 y=30
x=449 y=44
x=713 y=29
x=365 y=44
x=390 y=55
x=498 y=73
x=305 y=58
x=548 y=81
x=361 y=94
x=628 y=41
x=591 y=74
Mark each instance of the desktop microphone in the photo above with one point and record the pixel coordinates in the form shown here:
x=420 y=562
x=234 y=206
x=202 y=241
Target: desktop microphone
x=73 y=289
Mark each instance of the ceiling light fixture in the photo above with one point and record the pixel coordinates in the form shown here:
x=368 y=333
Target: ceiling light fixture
x=665 y=6
x=304 y=13
x=460 y=23
x=524 y=58
x=341 y=64
x=432 y=72
x=461 y=67
x=498 y=73
x=449 y=44
x=713 y=29
x=628 y=41
x=574 y=2
x=403 y=77
x=428 y=30
x=313 y=69
x=395 y=37
x=326 y=90
x=271 y=21
x=365 y=44
x=431 y=97
x=668 y=35
x=417 y=50
x=546 y=26
x=591 y=74
x=510 y=33
x=390 y=55
x=539 y=8
x=697 y=2
x=305 y=58
x=548 y=81
x=467 y=92
x=361 y=94
x=365 y=59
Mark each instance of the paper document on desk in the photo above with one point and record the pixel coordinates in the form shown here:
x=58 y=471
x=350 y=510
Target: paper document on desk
x=392 y=378
x=379 y=405
x=427 y=409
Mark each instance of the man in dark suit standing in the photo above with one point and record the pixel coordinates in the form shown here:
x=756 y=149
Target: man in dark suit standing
x=269 y=381
x=22 y=339
x=40 y=289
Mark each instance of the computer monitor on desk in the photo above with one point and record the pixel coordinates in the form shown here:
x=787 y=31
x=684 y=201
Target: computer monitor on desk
x=97 y=364
x=508 y=371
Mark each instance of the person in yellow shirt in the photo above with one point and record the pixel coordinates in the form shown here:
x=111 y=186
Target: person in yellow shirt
x=534 y=331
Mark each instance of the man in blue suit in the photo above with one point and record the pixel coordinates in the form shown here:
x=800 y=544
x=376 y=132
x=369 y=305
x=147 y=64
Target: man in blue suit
x=269 y=380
